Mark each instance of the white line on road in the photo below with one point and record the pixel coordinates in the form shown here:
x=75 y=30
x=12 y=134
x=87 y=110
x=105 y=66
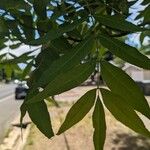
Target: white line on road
x=6 y=98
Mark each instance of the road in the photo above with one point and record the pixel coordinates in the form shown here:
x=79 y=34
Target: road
x=9 y=107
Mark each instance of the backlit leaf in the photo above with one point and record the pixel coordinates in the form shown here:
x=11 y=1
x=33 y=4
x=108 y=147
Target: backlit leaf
x=125 y=52
x=123 y=112
x=42 y=62
x=11 y=4
x=123 y=25
x=65 y=81
x=66 y=62
x=40 y=8
x=99 y=125
x=40 y=116
x=120 y=83
x=78 y=110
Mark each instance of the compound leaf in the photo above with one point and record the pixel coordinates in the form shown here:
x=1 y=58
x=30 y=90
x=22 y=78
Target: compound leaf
x=65 y=81
x=66 y=62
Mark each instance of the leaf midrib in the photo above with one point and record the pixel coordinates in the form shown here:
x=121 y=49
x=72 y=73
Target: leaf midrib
x=81 y=73
x=66 y=62
x=124 y=25
x=120 y=48
x=129 y=116
x=124 y=85
x=48 y=86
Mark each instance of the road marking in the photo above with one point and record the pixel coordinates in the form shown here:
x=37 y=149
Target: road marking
x=6 y=98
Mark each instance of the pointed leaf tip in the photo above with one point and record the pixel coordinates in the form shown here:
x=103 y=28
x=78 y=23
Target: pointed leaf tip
x=78 y=110
x=123 y=112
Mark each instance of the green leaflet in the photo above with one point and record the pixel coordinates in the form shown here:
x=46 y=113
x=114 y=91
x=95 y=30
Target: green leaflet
x=120 y=83
x=40 y=8
x=56 y=33
x=123 y=112
x=2 y=46
x=24 y=20
x=23 y=108
x=13 y=4
x=27 y=26
x=145 y=13
x=78 y=110
x=46 y=57
x=65 y=81
x=61 y=45
x=142 y=37
x=43 y=61
x=99 y=125
x=125 y=52
x=40 y=116
x=145 y=2
x=66 y=62
x=63 y=65
x=75 y=33
x=118 y=22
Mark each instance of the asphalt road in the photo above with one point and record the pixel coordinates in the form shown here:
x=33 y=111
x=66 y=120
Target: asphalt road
x=9 y=107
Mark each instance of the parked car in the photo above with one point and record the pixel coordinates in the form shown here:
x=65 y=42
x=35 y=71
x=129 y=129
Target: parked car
x=21 y=91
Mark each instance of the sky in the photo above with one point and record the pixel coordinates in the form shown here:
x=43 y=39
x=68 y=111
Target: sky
x=134 y=39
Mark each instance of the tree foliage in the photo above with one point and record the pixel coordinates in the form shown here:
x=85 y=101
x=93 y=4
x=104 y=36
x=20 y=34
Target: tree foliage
x=73 y=37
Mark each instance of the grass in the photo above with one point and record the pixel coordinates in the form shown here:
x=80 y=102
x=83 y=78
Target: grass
x=30 y=140
x=8 y=132
x=79 y=137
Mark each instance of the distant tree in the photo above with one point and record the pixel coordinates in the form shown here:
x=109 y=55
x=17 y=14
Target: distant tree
x=74 y=36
